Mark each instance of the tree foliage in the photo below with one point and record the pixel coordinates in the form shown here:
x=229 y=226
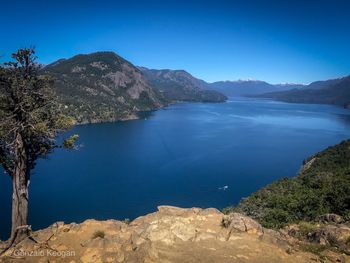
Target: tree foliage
x=28 y=110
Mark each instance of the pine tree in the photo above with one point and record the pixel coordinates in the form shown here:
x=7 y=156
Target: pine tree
x=29 y=123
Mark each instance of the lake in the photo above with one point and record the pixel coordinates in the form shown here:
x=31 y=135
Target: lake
x=189 y=154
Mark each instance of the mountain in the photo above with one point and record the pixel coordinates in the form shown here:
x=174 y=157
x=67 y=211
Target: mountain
x=323 y=84
x=179 y=85
x=249 y=87
x=102 y=86
x=336 y=91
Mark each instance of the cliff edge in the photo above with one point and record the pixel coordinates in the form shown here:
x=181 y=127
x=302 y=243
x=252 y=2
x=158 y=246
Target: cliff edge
x=169 y=235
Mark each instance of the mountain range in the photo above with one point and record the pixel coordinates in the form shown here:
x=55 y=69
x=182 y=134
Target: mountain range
x=179 y=85
x=333 y=91
x=250 y=87
x=103 y=86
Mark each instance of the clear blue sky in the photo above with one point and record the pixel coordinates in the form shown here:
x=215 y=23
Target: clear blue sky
x=276 y=41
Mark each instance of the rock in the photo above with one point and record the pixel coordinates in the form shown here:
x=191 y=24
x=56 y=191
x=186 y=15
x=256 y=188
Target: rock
x=242 y=223
x=307 y=165
x=320 y=236
x=171 y=235
x=330 y=218
x=291 y=230
x=336 y=236
x=277 y=237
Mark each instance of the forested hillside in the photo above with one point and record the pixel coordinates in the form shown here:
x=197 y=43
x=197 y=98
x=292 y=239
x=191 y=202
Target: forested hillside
x=102 y=86
x=323 y=186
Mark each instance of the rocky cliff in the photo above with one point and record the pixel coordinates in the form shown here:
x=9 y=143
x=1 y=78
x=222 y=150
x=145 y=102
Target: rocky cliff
x=169 y=235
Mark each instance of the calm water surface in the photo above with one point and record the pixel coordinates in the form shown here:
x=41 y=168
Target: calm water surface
x=183 y=155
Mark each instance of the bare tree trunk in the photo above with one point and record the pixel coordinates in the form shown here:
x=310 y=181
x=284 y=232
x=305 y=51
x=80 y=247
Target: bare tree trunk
x=20 y=183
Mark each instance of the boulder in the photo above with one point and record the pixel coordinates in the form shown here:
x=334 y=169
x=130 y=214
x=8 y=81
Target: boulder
x=236 y=221
x=330 y=218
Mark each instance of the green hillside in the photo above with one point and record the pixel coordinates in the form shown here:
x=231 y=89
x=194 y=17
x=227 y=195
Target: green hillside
x=335 y=92
x=323 y=186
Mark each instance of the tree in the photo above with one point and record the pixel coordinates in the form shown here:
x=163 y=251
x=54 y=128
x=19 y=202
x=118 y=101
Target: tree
x=29 y=123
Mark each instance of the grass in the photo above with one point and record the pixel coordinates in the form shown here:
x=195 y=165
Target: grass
x=306 y=228
x=98 y=234
x=315 y=249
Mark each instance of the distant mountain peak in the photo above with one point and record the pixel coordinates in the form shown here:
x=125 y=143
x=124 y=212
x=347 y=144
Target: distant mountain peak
x=290 y=83
x=249 y=87
x=241 y=81
x=249 y=80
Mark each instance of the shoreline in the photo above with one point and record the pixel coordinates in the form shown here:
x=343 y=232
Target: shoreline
x=137 y=115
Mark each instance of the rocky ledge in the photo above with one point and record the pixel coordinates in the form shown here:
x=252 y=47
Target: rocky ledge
x=169 y=235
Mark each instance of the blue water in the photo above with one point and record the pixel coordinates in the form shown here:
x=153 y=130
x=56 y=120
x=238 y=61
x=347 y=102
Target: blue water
x=181 y=155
